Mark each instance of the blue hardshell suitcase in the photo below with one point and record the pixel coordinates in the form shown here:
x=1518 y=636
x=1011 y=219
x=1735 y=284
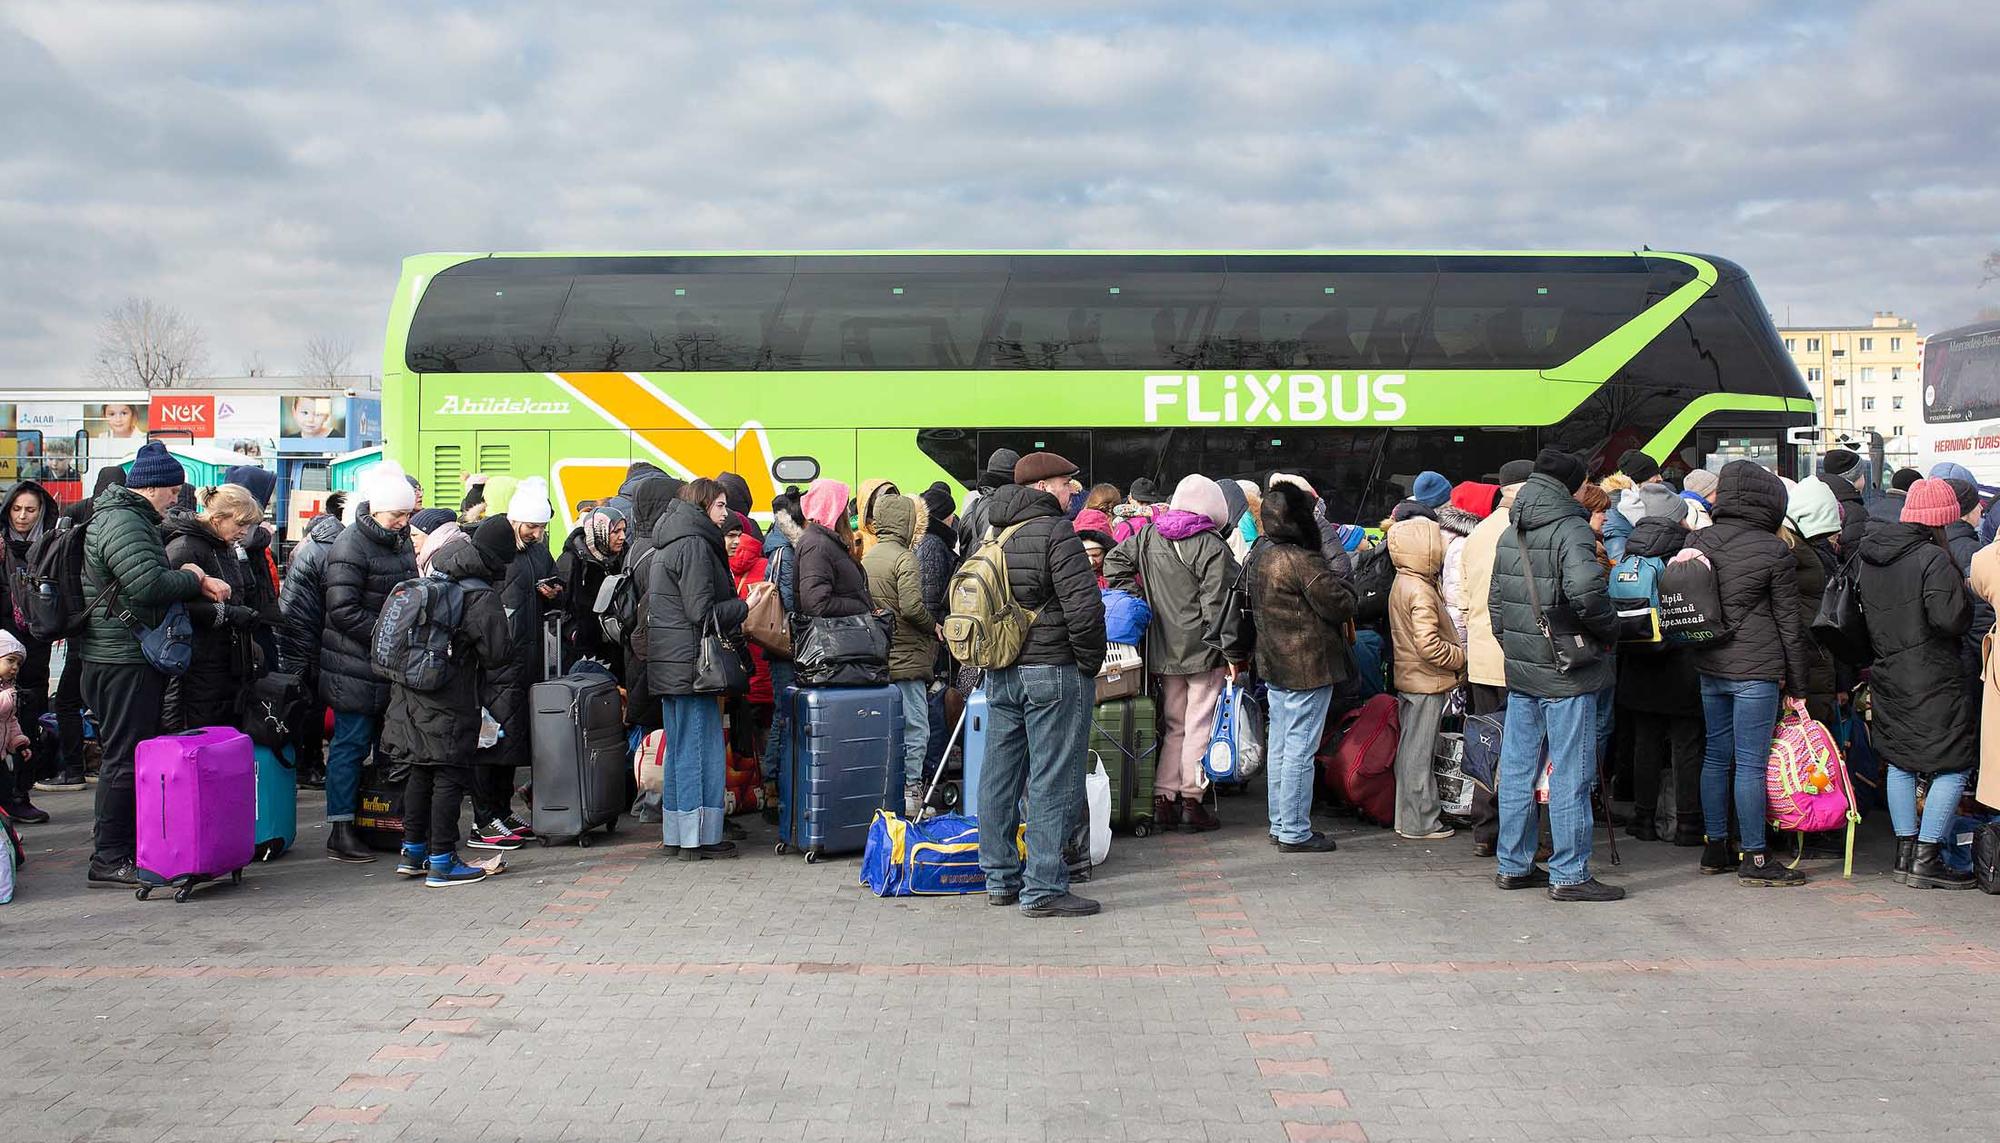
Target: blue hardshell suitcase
x=277 y=802
x=846 y=744
x=977 y=714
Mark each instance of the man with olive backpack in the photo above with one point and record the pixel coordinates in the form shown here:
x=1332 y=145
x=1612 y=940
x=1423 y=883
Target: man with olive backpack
x=1025 y=610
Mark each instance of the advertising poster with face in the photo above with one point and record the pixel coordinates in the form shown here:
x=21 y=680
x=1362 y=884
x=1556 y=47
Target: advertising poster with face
x=312 y=423
x=118 y=423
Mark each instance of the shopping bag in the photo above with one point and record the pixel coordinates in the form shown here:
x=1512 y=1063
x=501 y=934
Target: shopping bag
x=1097 y=796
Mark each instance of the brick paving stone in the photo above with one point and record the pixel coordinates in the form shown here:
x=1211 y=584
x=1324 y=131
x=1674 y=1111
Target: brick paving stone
x=1393 y=995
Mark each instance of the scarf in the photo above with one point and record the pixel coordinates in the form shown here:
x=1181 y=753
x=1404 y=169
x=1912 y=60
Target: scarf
x=596 y=526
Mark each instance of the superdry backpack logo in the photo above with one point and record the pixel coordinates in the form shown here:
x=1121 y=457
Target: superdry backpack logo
x=412 y=646
x=986 y=627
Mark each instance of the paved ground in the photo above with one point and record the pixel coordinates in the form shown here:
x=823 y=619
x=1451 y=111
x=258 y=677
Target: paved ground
x=1387 y=992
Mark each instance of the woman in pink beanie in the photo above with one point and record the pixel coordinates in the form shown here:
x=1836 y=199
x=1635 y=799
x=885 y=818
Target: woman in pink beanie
x=1914 y=600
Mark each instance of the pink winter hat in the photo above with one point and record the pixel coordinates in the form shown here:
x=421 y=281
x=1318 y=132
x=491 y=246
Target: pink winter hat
x=825 y=503
x=1931 y=502
x=1198 y=494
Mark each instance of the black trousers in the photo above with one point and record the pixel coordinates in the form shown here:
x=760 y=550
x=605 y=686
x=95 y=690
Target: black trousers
x=492 y=792
x=432 y=799
x=126 y=697
x=1658 y=739
x=68 y=704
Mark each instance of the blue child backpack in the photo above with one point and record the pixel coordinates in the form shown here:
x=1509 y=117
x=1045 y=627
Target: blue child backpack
x=1635 y=596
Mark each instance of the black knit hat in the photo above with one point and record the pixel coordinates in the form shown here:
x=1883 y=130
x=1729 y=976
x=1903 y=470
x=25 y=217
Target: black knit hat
x=1566 y=467
x=1967 y=492
x=1904 y=478
x=1638 y=466
x=495 y=540
x=1514 y=472
x=1839 y=461
x=1144 y=491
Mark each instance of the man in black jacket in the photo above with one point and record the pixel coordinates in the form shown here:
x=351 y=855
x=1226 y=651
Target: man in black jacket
x=1550 y=540
x=1039 y=721
x=998 y=474
x=302 y=607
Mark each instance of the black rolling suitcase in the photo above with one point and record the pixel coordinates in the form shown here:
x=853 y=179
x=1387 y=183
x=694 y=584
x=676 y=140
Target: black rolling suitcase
x=577 y=744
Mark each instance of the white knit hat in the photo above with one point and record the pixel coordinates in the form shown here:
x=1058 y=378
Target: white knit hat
x=530 y=504
x=385 y=488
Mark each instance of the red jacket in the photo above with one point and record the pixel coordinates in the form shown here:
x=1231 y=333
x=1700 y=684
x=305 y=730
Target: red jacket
x=747 y=567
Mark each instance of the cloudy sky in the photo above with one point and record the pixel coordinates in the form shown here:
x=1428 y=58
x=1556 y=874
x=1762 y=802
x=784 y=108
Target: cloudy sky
x=264 y=166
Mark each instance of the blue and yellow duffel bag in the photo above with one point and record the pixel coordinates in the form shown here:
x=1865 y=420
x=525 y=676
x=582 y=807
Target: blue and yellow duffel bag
x=922 y=859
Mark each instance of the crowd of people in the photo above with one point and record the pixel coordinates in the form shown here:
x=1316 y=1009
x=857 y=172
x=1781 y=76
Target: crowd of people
x=1499 y=594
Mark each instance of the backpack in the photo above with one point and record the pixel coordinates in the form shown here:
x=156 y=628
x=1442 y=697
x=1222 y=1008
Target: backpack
x=412 y=645
x=1806 y=781
x=986 y=628
x=621 y=601
x=1691 y=601
x=1635 y=596
x=1839 y=625
x=1374 y=574
x=1357 y=759
x=55 y=606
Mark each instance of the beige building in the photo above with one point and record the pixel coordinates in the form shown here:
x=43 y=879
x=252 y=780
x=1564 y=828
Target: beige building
x=1865 y=377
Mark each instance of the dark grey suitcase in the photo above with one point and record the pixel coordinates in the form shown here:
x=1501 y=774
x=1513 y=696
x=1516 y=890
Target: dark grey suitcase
x=577 y=746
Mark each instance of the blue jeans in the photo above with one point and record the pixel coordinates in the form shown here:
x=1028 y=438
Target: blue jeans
x=781 y=718
x=916 y=733
x=1038 y=730
x=1946 y=790
x=1297 y=719
x=1607 y=723
x=691 y=795
x=1569 y=726
x=1742 y=715
x=353 y=742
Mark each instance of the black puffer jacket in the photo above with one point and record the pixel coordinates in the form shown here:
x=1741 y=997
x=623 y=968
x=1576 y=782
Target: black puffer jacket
x=653 y=495
x=209 y=694
x=1049 y=575
x=831 y=583
x=302 y=599
x=1759 y=582
x=583 y=576
x=1658 y=680
x=1854 y=509
x=688 y=586
x=527 y=611
x=1918 y=609
x=1562 y=552
x=1816 y=564
x=1963 y=540
x=442 y=726
x=364 y=565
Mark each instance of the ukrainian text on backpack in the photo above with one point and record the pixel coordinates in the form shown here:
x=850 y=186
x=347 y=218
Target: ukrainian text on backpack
x=412 y=646
x=55 y=606
x=1635 y=596
x=986 y=628
x=1691 y=601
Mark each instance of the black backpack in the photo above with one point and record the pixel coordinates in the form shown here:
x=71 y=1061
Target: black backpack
x=55 y=605
x=622 y=614
x=412 y=644
x=1374 y=575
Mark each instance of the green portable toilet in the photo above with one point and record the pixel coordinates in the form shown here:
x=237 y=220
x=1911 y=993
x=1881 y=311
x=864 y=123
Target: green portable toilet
x=344 y=472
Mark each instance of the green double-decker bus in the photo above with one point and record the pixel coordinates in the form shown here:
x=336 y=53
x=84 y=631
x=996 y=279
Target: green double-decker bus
x=1354 y=370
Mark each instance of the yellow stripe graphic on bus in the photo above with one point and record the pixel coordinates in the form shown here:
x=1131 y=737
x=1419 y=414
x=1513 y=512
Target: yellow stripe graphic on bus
x=685 y=444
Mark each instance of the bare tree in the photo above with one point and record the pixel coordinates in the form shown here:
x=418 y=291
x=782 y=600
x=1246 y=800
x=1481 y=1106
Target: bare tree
x=1991 y=267
x=326 y=359
x=254 y=366
x=145 y=344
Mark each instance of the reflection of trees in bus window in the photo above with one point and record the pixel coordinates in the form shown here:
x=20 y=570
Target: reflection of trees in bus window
x=1104 y=313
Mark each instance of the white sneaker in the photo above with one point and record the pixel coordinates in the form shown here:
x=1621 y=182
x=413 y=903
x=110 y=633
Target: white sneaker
x=1436 y=835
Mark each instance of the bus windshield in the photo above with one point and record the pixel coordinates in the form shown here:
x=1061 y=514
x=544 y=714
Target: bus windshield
x=1962 y=375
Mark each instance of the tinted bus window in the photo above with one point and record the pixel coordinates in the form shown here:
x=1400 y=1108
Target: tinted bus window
x=669 y=322
x=1339 y=317
x=883 y=320
x=1527 y=314
x=487 y=317
x=1104 y=313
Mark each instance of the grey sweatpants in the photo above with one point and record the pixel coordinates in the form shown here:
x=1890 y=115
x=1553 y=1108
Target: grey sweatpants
x=1416 y=781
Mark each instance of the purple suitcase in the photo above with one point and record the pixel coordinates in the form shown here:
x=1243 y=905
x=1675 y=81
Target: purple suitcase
x=197 y=808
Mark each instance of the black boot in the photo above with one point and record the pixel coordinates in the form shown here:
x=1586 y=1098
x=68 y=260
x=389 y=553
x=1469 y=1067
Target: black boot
x=343 y=843
x=1929 y=871
x=1716 y=856
x=1642 y=826
x=1906 y=855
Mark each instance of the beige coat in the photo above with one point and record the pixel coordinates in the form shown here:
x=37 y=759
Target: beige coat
x=1428 y=657
x=1986 y=581
x=1484 y=664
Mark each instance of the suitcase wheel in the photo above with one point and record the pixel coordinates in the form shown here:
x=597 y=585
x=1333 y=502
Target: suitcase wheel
x=143 y=892
x=812 y=856
x=182 y=894
x=781 y=849
x=583 y=841
x=1141 y=829
x=611 y=826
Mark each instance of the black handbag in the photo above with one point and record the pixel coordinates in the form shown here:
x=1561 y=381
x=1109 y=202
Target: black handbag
x=1233 y=631
x=1840 y=626
x=719 y=667
x=843 y=651
x=1570 y=642
x=275 y=705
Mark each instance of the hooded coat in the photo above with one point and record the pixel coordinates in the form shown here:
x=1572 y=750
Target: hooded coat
x=688 y=589
x=865 y=507
x=1050 y=575
x=441 y=727
x=1917 y=610
x=1297 y=600
x=365 y=564
x=19 y=581
x=1561 y=553
x=225 y=655
x=1759 y=581
x=1484 y=662
x=1854 y=508
x=1428 y=659
x=302 y=598
x=1658 y=679
x=736 y=492
x=123 y=546
x=1186 y=582
x=781 y=559
x=895 y=583
x=830 y=581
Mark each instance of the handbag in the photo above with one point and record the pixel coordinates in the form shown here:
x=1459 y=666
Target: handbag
x=275 y=702
x=1570 y=642
x=1233 y=631
x=1840 y=626
x=766 y=624
x=841 y=651
x=719 y=668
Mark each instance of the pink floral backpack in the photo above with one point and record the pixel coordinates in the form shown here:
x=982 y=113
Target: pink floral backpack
x=1806 y=781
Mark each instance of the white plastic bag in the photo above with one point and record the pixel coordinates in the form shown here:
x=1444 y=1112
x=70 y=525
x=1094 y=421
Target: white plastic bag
x=1097 y=796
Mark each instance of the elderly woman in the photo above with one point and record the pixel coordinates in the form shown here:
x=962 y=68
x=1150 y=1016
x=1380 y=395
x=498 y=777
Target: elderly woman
x=225 y=653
